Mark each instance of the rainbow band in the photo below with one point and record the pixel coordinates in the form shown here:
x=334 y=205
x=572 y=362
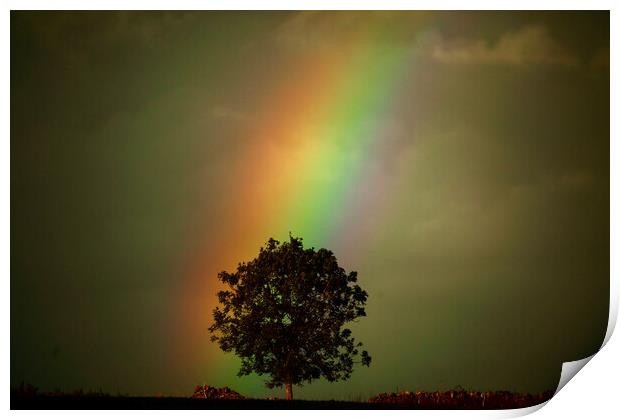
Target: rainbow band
x=309 y=148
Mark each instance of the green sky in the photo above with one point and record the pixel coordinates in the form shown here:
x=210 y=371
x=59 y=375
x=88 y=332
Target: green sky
x=485 y=251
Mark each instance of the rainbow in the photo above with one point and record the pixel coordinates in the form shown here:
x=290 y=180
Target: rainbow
x=310 y=148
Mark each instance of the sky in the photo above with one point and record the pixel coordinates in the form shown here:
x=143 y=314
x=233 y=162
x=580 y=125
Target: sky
x=458 y=161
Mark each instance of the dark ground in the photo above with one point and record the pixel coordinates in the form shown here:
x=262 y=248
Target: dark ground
x=390 y=402
x=176 y=403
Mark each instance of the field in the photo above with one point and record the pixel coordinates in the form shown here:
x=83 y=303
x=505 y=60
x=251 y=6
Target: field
x=456 y=399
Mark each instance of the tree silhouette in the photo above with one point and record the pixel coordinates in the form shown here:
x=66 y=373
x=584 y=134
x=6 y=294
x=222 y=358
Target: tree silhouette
x=283 y=315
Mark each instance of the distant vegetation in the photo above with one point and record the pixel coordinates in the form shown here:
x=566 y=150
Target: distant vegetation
x=207 y=397
x=461 y=399
x=212 y=393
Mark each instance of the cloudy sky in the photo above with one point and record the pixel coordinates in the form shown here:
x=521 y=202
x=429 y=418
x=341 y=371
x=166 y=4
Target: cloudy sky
x=458 y=161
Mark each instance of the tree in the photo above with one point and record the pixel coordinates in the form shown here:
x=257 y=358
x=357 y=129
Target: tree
x=283 y=315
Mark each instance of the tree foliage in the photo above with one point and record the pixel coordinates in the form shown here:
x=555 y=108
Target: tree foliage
x=283 y=315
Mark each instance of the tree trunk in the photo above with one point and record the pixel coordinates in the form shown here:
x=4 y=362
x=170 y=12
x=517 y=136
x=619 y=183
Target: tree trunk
x=289 y=391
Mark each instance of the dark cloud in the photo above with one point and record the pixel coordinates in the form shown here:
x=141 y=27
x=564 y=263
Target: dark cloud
x=529 y=45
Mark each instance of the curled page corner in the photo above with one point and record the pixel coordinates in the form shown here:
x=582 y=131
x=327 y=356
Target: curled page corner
x=570 y=369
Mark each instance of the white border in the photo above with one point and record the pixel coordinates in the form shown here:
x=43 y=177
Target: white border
x=593 y=394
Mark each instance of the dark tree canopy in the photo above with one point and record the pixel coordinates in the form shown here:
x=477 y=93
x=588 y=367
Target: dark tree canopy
x=283 y=315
